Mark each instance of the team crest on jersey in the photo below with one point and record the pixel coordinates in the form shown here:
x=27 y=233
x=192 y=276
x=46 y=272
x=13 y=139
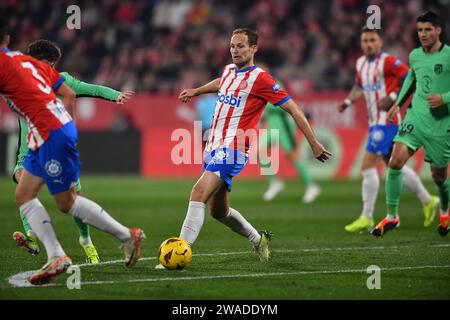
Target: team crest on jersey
x=53 y=168
x=438 y=68
x=243 y=85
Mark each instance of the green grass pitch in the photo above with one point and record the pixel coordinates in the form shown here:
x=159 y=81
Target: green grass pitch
x=312 y=256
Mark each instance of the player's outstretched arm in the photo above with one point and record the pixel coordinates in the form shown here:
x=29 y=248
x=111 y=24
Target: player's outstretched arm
x=320 y=153
x=354 y=95
x=211 y=87
x=67 y=96
x=84 y=89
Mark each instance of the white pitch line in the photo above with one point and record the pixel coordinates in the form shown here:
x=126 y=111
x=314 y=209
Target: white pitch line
x=252 y=275
x=445 y=245
x=21 y=279
x=154 y=258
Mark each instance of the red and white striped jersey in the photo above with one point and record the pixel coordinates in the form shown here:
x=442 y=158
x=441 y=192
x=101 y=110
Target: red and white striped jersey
x=379 y=77
x=241 y=100
x=27 y=86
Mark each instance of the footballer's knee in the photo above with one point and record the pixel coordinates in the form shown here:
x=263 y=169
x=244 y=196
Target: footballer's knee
x=65 y=206
x=24 y=195
x=21 y=197
x=201 y=192
x=400 y=155
x=396 y=163
x=198 y=193
x=65 y=200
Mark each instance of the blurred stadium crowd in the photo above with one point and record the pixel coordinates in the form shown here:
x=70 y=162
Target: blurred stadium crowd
x=165 y=45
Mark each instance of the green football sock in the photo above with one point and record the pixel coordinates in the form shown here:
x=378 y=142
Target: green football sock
x=26 y=225
x=394 y=184
x=303 y=173
x=83 y=228
x=443 y=195
x=273 y=178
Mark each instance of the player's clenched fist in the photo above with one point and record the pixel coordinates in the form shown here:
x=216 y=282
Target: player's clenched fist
x=320 y=153
x=341 y=106
x=435 y=100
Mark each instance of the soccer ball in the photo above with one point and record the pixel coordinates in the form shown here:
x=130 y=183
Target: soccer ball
x=175 y=253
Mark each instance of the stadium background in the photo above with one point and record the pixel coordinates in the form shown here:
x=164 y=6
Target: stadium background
x=156 y=48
